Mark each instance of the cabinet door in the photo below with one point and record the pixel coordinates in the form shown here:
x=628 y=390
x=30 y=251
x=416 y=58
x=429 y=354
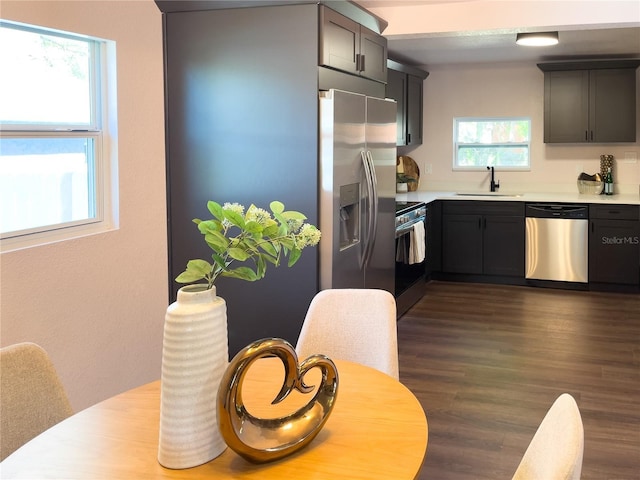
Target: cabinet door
x=503 y=246
x=614 y=251
x=414 y=110
x=434 y=237
x=566 y=106
x=612 y=114
x=462 y=244
x=373 y=55
x=396 y=89
x=339 y=41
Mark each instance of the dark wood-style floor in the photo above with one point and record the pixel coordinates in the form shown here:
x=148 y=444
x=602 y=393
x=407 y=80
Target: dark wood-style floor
x=487 y=362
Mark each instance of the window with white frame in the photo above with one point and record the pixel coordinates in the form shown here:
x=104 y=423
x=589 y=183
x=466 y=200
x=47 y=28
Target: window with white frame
x=498 y=142
x=55 y=180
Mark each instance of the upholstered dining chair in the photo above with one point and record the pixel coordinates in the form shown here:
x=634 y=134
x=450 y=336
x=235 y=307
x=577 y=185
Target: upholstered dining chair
x=357 y=325
x=32 y=398
x=556 y=450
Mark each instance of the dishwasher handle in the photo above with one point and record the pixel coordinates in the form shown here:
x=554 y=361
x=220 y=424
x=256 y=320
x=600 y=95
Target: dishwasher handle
x=555 y=210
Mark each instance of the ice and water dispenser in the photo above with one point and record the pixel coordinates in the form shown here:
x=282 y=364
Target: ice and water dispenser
x=349 y=215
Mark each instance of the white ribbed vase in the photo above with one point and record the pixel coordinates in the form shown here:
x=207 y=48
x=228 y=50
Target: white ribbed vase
x=194 y=358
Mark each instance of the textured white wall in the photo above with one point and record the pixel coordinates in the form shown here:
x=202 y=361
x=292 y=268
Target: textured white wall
x=97 y=304
x=510 y=89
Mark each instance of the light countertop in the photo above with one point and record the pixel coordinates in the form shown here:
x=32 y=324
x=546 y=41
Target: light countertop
x=430 y=196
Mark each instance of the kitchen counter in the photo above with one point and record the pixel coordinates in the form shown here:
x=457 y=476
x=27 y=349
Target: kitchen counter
x=483 y=240
x=430 y=196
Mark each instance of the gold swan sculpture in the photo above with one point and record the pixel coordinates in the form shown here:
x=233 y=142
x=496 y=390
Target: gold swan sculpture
x=262 y=440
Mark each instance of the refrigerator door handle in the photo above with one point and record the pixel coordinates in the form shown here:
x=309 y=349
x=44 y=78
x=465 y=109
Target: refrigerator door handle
x=373 y=212
x=370 y=194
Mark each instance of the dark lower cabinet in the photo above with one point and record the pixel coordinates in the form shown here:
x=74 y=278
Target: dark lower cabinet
x=503 y=245
x=485 y=241
x=434 y=238
x=483 y=238
x=462 y=243
x=614 y=245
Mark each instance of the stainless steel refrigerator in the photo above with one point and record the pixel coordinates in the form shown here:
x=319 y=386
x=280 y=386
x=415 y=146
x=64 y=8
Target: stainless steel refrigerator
x=357 y=191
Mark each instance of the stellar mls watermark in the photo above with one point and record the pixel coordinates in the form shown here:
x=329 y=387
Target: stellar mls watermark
x=620 y=240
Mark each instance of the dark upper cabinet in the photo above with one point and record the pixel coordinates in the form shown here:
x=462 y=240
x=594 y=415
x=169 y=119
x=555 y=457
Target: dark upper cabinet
x=397 y=89
x=350 y=47
x=404 y=85
x=373 y=55
x=566 y=106
x=589 y=104
x=612 y=105
x=483 y=238
x=614 y=244
x=414 y=110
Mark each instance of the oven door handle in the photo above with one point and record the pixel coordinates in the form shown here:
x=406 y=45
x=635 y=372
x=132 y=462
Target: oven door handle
x=407 y=227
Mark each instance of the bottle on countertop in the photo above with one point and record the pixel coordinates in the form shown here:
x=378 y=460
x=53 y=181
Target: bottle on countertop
x=608 y=183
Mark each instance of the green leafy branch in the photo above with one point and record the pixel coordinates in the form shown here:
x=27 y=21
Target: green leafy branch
x=260 y=237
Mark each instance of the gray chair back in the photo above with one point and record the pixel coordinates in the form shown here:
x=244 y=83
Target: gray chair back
x=358 y=325
x=32 y=398
x=556 y=450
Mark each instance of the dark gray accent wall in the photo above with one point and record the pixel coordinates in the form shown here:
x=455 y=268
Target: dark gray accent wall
x=242 y=126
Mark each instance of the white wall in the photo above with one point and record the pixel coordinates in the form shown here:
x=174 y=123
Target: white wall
x=510 y=89
x=416 y=18
x=97 y=304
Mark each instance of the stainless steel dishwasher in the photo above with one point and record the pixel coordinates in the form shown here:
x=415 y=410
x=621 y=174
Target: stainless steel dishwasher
x=557 y=242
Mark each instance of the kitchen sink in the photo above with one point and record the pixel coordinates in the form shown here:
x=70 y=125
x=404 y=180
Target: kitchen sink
x=487 y=194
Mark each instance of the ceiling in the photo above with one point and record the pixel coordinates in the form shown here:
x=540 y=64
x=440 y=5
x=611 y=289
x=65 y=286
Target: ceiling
x=499 y=45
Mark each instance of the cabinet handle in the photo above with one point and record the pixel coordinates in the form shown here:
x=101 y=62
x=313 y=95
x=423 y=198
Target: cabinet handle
x=408 y=138
x=361 y=63
x=592 y=135
x=586 y=136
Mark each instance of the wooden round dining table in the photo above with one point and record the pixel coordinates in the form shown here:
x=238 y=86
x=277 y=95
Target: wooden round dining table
x=377 y=430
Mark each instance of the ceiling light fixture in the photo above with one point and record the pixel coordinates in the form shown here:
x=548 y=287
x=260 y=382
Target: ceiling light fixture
x=540 y=39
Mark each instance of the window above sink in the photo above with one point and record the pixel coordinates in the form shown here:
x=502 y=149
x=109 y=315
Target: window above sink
x=499 y=142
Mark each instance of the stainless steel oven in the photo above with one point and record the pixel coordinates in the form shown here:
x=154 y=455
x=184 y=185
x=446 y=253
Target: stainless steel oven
x=411 y=254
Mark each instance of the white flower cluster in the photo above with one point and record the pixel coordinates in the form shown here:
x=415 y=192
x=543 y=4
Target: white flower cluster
x=307 y=236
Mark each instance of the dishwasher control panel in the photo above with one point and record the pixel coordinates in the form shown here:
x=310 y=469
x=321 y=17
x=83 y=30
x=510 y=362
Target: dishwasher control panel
x=556 y=210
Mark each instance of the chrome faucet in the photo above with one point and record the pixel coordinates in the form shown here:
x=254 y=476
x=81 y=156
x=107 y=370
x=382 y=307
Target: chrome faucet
x=494 y=185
